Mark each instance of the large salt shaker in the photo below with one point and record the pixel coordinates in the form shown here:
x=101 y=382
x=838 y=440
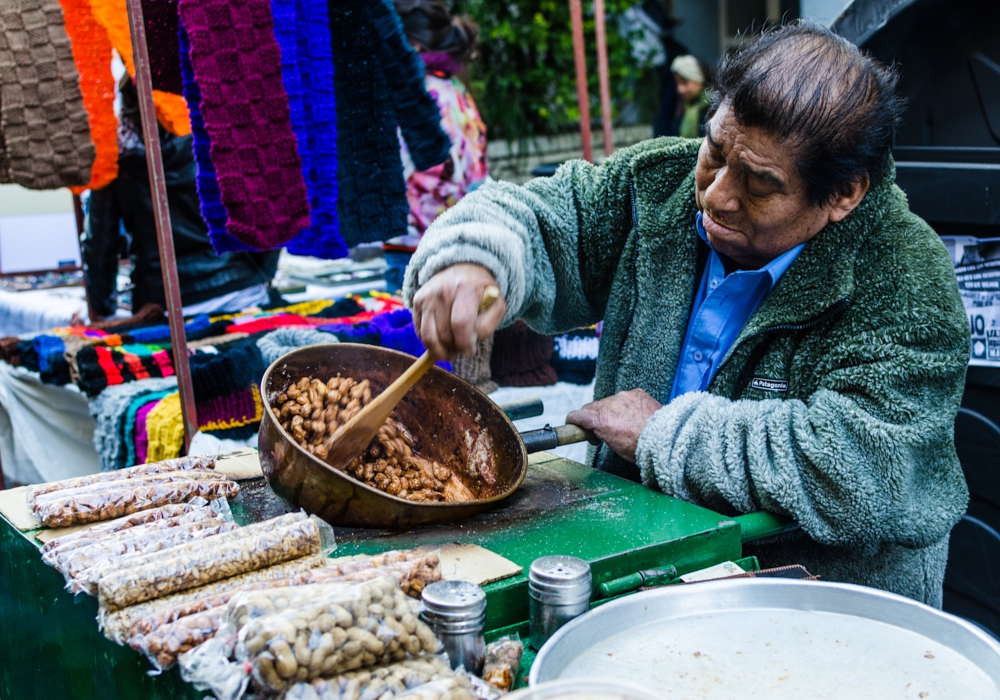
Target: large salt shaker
x=559 y=589
x=456 y=611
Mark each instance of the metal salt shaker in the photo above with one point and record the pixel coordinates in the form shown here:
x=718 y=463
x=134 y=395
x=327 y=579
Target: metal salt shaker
x=559 y=589
x=456 y=612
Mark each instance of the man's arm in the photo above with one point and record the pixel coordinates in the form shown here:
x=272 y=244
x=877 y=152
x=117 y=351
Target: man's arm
x=551 y=246
x=868 y=458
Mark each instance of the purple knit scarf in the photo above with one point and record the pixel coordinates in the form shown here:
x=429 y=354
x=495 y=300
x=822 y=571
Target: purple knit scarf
x=237 y=65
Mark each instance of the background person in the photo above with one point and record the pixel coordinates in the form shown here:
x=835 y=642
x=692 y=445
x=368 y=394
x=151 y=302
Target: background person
x=209 y=282
x=691 y=77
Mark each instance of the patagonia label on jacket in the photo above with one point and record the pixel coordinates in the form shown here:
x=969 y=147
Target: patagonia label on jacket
x=765 y=384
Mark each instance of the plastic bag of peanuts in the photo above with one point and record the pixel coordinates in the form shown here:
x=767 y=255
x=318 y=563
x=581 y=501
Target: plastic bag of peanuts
x=81 y=566
x=382 y=682
x=291 y=635
x=180 y=464
x=194 y=564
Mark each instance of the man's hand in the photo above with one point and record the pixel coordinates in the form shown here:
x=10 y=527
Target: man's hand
x=446 y=310
x=618 y=420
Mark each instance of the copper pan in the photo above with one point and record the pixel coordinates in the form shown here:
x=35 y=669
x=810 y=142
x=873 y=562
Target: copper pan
x=443 y=412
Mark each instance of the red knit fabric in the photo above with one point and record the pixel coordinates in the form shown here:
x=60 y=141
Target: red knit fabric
x=237 y=65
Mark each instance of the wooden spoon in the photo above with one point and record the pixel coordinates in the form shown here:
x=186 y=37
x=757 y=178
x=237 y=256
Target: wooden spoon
x=351 y=439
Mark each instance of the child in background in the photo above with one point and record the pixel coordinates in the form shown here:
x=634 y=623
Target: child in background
x=446 y=46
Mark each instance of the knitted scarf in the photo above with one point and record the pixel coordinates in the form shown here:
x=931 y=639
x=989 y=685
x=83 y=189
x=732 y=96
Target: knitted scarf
x=213 y=211
x=141 y=436
x=575 y=356
x=237 y=65
x=301 y=28
x=44 y=122
x=130 y=421
x=280 y=342
x=165 y=429
x=372 y=204
x=416 y=111
x=109 y=409
x=92 y=55
x=171 y=110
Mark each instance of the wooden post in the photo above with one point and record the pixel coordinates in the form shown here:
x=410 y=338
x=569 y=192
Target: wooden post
x=582 y=95
x=603 y=77
x=164 y=232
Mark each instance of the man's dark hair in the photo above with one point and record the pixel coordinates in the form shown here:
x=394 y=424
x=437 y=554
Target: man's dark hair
x=834 y=106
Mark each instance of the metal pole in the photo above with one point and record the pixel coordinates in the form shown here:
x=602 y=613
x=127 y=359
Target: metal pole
x=164 y=232
x=603 y=78
x=582 y=96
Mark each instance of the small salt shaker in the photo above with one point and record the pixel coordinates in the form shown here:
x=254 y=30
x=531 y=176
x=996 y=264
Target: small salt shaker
x=456 y=612
x=559 y=589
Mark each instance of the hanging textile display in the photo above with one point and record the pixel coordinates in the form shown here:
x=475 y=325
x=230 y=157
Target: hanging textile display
x=416 y=111
x=301 y=29
x=237 y=65
x=45 y=126
x=171 y=110
x=92 y=54
x=213 y=211
x=372 y=204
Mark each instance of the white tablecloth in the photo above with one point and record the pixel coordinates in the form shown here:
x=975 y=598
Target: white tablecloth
x=46 y=432
x=40 y=310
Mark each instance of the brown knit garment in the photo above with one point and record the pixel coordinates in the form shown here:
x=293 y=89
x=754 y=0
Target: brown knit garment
x=8 y=350
x=148 y=315
x=476 y=369
x=522 y=357
x=44 y=123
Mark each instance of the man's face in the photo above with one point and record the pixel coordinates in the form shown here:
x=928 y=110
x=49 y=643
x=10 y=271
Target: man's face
x=753 y=201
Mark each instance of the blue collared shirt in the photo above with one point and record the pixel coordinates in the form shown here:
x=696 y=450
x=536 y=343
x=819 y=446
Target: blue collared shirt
x=722 y=307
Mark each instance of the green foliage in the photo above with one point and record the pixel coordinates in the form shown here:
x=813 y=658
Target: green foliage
x=524 y=79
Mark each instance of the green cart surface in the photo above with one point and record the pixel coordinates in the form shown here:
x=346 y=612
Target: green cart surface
x=50 y=646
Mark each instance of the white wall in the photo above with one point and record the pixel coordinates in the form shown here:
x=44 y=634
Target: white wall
x=18 y=201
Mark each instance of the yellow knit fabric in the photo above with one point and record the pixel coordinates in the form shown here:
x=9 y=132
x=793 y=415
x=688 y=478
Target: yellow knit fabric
x=165 y=427
x=306 y=308
x=171 y=109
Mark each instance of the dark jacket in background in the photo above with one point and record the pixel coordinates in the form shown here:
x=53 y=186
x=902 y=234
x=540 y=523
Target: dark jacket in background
x=203 y=274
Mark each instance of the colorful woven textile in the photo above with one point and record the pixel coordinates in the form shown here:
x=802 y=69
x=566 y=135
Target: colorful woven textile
x=44 y=122
x=302 y=30
x=282 y=341
x=92 y=54
x=165 y=429
x=129 y=422
x=171 y=110
x=575 y=356
x=109 y=409
x=141 y=436
x=237 y=65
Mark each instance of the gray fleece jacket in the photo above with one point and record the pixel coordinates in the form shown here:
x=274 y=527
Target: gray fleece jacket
x=865 y=337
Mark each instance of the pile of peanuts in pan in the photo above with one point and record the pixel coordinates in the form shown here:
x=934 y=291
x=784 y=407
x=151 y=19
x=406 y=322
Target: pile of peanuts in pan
x=311 y=411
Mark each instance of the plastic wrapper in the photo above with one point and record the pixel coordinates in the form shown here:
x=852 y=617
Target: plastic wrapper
x=458 y=687
x=381 y=682
x=135 y=481
x=116 y=624
x=95 y=507
x=503 y=661
x=169 y=465
x=245 y=549
x=124 y=540
x=411 y=569
x=302 y=633
x=83 y=572
x=164 y=644
x=141 y=518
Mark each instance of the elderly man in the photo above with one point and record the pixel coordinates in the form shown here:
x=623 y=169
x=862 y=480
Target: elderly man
x=781 y=333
